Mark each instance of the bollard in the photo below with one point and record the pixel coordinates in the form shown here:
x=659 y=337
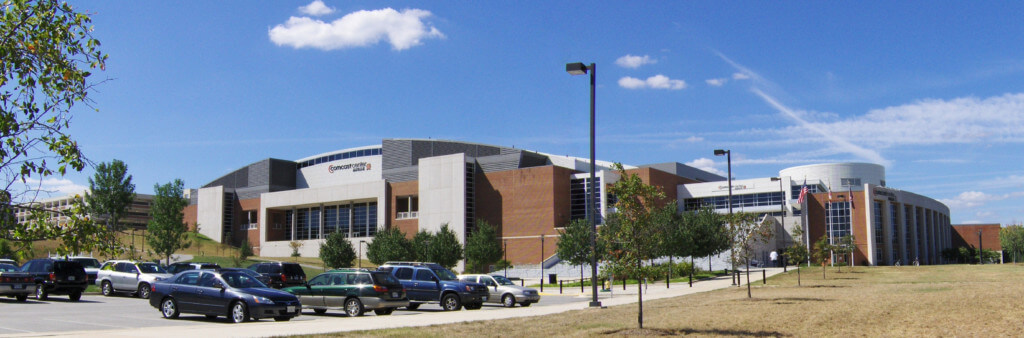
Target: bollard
x=541 y=283
x=581 y=283
x=623 y=283
x=691 y=278
x=560 y=287
x=764 y=277
x=522 y=282
x=668 y=276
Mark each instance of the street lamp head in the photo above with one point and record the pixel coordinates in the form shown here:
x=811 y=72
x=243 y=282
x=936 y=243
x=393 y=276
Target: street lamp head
x=720 y=152
x=576 y=68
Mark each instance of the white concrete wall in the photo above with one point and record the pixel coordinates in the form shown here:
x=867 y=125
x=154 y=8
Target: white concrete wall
x=340 y=172
x=210 y=212
x=355 y=192
x=442 y=189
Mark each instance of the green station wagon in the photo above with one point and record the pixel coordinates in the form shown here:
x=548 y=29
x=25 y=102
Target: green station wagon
x=352 y=290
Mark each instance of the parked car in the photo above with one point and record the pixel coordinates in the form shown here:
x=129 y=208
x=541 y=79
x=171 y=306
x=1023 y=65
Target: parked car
x=215 y=293
x=14 y=283
x=91 y=265
x=183 y=266
x=128 y=276
x=263 y=279
x=60 y=277
x=431 y=283
x=281 y=274
x=503 y=291
x=352 y=290
x=8 y=261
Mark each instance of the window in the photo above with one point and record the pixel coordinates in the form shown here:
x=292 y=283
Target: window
x=850 y=182
x=404 y=273
x=879 y=235
x=424 y=274
x=579 y=190
x=407 y=207
x=838 y=220
x=320 y=280
x=738 y=201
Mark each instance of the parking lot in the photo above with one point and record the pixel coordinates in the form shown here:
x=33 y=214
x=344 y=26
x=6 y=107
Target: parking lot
x=95 y=313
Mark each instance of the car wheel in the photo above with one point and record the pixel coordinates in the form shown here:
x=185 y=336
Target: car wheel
x=412 y=306
x=525 y=304
x=74 y=296
x=282 y=319
x=451 y=302
x=384 y=312
x=169 y=308
x=144 y=291
x=41 y=292
x=320 y=311
x=22 y=298
x=508 y=301
x=107 y=289
x=354 y=307
x=239 y=312
x=211 y=316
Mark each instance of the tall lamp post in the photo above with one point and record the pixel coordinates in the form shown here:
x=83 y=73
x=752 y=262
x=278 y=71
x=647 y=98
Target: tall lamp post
x=782 y=207
x=732 y=249
x=578 y=68
x=980 y=249
x=360 y=258
x=504 y=251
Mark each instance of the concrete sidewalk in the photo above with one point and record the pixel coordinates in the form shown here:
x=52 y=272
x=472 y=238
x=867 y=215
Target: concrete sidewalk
x=328 y=324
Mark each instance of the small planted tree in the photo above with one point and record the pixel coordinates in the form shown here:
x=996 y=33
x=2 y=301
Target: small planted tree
x=844 y=247
x=295 y=245
x=797 y=251
x=708 y=232
x=574 y=244
x=445 y=248
x=748 y=229
x=389 y=245
x=337 y=251
x=822 y=253
x=167 y=230
x=111 y=191
x=482 y=247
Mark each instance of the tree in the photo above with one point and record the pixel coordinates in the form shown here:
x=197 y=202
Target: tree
x=47 y=53
x=389 y=245
x=245 y=250
x=112 y=191
x=822 y=253
x=636 y=227
x=295 y=245
x=1012 y=239
x=337 y=251
x=797 y=251
x=167 y=229
x=445 y=248
x=574 y=244
x=421 y=246
x=843 y=247
x=747 y=230
x=482 y=247
x=708 y=232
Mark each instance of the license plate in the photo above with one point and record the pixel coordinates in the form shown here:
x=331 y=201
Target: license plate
x=71 y=277
x=290 y=309
x=394 y=295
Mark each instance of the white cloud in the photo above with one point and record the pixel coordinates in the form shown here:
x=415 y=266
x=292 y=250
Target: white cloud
x=402 y=30
x=633 y=61
x=740 y=76
x=56 y=186
x=706 y=164
x=654 y=82
x=716 y=82
x=316 y=8
x=971 y=199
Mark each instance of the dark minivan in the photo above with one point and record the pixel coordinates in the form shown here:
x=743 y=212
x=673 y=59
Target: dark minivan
x=281 y=274
x=54 y=276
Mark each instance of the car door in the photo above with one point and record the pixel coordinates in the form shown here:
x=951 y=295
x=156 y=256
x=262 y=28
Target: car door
x=119 y=278
x=335 y=293
x=211 y=298
x=183 y=290
x=426 y=285
x=313 y=295
x=492 y=287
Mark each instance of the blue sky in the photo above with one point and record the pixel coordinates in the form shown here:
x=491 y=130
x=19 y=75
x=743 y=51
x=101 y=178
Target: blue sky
x=931 y=90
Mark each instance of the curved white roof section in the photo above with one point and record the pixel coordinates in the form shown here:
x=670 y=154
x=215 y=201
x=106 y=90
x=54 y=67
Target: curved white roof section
x=836 y=176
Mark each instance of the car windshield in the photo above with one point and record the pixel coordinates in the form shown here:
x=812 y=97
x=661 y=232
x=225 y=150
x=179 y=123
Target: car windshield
x=88 y=262
x=241 y=280
x=8 y=268
x=384 y=278
x=151 y=268
x=502 y=280
x=444 y=274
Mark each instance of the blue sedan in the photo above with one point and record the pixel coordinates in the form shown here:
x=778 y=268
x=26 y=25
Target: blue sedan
x=233 y=294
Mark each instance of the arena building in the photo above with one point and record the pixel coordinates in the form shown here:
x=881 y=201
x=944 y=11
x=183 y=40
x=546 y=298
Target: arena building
x=412 y=185
x=889 y=226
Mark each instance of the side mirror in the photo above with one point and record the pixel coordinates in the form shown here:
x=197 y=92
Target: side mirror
x=495 y=287
x=218 y=285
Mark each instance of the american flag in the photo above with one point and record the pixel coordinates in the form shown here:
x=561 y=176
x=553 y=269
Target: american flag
x=851 y=198
x=803 y=194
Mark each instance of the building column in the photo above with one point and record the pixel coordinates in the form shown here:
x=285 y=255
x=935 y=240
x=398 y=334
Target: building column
x=887 y=234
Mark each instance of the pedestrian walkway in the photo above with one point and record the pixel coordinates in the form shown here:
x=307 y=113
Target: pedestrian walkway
x=327 y=325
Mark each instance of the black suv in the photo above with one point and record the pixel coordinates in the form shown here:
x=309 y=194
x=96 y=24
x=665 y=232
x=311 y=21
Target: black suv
x=55 y=276
x=281 y=274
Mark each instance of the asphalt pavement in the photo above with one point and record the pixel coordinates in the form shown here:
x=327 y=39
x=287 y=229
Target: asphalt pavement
x=264 y=328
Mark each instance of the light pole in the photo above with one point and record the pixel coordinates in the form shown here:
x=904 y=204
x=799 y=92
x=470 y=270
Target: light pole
x=782 y=207
x=732 y=249
x=504 y=250
x=360 y=258
x=980 y=249
x=578 y=68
